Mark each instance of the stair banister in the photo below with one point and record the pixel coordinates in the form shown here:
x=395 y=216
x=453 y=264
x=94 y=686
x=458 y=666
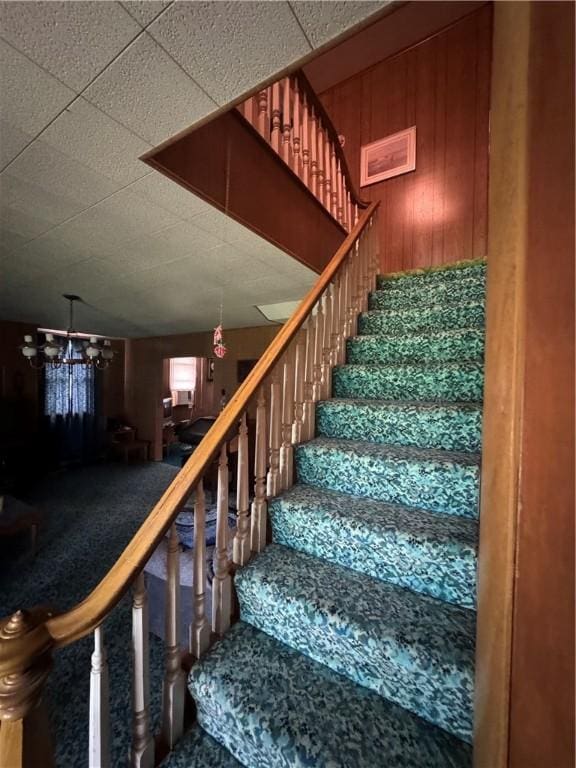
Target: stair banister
x=28 y=638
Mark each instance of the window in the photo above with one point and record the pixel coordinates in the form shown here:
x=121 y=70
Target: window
x=69 y=390
x=183 y=378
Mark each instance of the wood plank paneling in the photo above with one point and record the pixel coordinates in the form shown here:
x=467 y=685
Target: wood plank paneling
x=438 y=213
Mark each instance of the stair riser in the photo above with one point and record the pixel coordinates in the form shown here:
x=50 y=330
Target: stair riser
x=435 y=293
x=450 y=347
x=422 y=319
x=443 y=571
x=435 y=486
x=453 y=383
x=474 y=271
x=448 y=428
x=375 y=661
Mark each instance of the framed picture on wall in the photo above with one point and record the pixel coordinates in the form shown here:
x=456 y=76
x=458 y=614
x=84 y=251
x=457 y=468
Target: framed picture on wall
x=210 y=369
x=388 y=157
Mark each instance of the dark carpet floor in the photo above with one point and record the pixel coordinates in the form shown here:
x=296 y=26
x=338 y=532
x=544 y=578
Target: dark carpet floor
x=89 y=515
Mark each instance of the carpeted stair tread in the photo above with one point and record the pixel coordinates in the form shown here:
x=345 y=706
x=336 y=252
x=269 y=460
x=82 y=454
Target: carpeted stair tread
x=273 y=707
x=460 y=344
x=429 y=553
x=443 y=274
x=410 y=381
x=435 y=480
x=450 y=426
x=435 y=317
x=197 y=749
x=422 y=293
x=411 y=649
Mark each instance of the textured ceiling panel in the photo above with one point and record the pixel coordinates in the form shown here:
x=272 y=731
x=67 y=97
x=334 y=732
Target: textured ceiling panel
x=324 y=19
x=85 y=133
x=156 y=188
x=145 y=90
x=12 y=141
x=30 y=96
x=144 y=11
x=72 y=40
x=228 y=47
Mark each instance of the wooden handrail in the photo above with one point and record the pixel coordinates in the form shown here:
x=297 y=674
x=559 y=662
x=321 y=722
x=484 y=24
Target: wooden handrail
x=78 y=622
x=319 y=107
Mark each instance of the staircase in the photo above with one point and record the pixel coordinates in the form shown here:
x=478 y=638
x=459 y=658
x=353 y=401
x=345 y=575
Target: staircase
x=355 y=645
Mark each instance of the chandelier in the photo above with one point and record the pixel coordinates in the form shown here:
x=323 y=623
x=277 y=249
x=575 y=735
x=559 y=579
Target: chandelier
x=60 y=350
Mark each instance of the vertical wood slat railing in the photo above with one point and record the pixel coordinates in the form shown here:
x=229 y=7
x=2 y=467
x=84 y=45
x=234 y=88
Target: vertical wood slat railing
x=291 y=119
x=292 y=375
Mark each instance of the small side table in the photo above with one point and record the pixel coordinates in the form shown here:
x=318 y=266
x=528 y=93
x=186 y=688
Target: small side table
x=16 y=516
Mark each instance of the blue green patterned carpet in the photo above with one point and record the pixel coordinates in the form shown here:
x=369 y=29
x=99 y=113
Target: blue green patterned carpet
x=356 y=640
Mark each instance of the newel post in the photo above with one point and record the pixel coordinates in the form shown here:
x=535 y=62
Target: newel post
x=25 y=663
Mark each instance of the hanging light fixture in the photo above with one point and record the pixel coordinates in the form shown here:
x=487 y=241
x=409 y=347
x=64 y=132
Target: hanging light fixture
x=59 y=350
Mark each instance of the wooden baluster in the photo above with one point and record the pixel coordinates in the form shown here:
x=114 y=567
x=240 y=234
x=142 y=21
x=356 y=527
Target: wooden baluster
x=286 y=121
x=99 y=733
x=142 y=748
x=276 y=118
x=318 y=344
x=263 y=115
x=320 y=178
x=326 y=341
x=249 y=110
x=327 y=174
x=299 y=367
x=286 y=449
x=273 y=484
x=222 y=581
x=349 y=210
x=309 y=407
x=199 y=633
x=259 y=505
x=351 y=314
x=366 y=271
x=296 y=132
x=343 y=314
x=241 y=544
x=355 y=214
x=336 y=331
x=313 y=153
x=340 y=194
x=174 y=680
x=305 y=143
x=335 y=181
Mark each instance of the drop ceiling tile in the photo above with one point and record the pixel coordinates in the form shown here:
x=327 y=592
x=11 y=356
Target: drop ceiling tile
x=29 y=97
x=42 y=165
x=88 y=135
x=166 y=193
x=145 y=90
x=228 y=47
x=47 y=255
x=12 y=140
x=324 y=19
x=72 y=40
x=144 y=11
x=26 y=223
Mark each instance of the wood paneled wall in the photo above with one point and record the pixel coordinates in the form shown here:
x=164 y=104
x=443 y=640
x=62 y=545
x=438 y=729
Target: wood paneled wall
x=438 y=213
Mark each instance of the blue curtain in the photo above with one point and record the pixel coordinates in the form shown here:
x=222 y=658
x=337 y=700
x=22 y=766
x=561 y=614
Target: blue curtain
x=71 y=409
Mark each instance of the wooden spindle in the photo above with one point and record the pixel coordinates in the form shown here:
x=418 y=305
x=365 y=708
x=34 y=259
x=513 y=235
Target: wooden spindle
x=259 y=505
x=314 y=152
x=305 y=143
x=349 y=210
x=249 y=110
x=286 y=121
x=320 y=162
x=309 y=407
x=336 y=331
x=343 y=313
x=355 y=214
x=334 y=181
x=241 y=544
x=263 y=115
x=299 y=369
x=222 y=581
x=174 y=686
x=273 y=480
x=99 y=723
x=318 y=344
x=326 y=348
x=351 y=314
x=296 y=132
x=340 y=193
x=199 y=633
x=286 y=449
x=142 y=748
x=327 y=174
x=276 y=118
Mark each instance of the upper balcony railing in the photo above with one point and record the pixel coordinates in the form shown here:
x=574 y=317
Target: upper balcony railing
x=290 y=117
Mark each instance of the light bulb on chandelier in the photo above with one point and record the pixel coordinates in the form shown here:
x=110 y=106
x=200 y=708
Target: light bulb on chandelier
x=58 y=351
